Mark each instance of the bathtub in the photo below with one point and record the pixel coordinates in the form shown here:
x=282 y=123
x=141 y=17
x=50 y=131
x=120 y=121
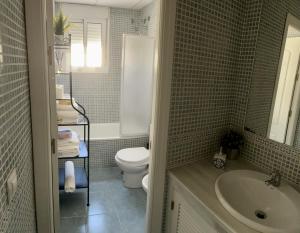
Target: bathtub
x=107 y=131
x=105 y=141
x=101 y=131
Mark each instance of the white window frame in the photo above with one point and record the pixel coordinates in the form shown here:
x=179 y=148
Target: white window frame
x=91 y=14
x=105 y=45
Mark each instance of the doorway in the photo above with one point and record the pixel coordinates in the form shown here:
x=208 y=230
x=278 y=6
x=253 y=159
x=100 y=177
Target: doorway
x=104 y=75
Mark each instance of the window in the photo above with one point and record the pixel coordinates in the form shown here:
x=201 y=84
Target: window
x=90 y=40
x=77 y=46
x=94 y=45
x=89 y=50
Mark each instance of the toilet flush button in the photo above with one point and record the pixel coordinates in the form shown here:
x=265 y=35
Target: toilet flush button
x=12 y=184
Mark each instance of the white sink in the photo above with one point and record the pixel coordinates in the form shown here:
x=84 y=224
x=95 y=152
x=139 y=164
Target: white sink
x=267 y=209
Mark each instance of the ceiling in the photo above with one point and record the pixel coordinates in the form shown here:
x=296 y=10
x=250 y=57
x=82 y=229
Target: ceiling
x=131 y=4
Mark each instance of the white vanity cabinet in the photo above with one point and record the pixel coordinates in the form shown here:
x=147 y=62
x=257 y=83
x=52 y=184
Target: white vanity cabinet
x=186 y=214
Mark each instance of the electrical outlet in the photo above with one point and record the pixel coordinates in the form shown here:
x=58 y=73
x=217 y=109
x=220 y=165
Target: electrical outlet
x=12 y=184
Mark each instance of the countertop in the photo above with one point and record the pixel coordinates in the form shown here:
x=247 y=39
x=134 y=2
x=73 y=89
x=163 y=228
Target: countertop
x=199 y=179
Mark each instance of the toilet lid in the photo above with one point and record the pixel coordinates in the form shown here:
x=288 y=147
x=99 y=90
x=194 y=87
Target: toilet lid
x=138 y=155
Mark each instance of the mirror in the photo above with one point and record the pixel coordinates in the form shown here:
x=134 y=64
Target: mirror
x=274 y=98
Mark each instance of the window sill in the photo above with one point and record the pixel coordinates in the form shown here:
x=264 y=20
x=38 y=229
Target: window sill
x=90 y=71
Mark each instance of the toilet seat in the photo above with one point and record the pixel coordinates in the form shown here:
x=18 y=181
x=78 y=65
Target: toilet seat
x=136 y=156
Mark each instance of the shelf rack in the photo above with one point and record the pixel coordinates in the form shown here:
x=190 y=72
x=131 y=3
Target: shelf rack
x=82 y=174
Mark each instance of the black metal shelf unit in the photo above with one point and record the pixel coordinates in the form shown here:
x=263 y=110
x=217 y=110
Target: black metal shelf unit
x=82 y=174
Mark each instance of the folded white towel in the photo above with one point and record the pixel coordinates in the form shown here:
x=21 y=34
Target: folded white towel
x=68 y=120
x=67 y=114
x=66 y=152
x=70 y=185
x=72 y=141
x=65 y=105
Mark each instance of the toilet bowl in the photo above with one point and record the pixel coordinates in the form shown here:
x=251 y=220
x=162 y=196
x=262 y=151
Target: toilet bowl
x=134 y=164
x=145 y=183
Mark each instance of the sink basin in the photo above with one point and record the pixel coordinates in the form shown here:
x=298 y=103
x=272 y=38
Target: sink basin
x=267 y=209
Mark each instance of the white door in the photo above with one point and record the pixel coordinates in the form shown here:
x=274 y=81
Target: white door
x=53 y=116
x=295 y=106
x=285 y=90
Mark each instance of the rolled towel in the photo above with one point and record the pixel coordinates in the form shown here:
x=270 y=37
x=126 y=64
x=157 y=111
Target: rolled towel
x=70 y=185
x=60 y=91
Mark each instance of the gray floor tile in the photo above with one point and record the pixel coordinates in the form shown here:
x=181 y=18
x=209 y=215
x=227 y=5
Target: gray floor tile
x=100 y=186
x=98 y=174
x=130 y=197
x=103 y=223
x=73 y=225
x=101 y=203
x=73 y=204
x=114 y=208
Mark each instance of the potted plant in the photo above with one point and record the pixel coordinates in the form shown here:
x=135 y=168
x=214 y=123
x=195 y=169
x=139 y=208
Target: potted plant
x=61 y=25
x=232 y=142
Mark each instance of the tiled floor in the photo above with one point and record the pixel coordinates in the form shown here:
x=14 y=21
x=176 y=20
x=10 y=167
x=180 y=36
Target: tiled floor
x=113 y=208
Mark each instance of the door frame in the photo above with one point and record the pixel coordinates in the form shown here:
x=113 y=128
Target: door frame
x=165 y=24
x=40 y=66
x=42 y=92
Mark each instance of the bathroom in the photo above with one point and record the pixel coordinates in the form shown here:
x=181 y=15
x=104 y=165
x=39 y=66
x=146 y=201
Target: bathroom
x=224 y=136
x=104 y=89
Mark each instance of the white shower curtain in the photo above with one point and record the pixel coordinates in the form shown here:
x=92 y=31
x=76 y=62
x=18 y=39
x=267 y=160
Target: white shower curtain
x=136 y=85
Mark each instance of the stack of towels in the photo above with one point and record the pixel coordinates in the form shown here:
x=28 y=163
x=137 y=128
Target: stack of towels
x=67 y=143
x=65 y=111
x=70 y=184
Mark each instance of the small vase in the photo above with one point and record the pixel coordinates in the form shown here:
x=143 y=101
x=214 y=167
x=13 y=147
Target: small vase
x=59 y=39
x=232 y=154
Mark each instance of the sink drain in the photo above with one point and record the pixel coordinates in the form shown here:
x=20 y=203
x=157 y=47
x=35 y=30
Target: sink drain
x=260 y=214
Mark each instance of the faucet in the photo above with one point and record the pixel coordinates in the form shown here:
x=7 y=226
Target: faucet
x=275 y=178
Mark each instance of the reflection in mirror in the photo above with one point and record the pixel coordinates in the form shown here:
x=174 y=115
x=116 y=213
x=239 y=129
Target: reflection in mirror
x=282 y=122
x=285 y=108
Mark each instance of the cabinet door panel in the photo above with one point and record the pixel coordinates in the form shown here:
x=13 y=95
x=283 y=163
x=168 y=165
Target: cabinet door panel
x=188 y=220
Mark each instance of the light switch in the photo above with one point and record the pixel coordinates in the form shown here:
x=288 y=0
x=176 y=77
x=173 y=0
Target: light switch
x=12 y=184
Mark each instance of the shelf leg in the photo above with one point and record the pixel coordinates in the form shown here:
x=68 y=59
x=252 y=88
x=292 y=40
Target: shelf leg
x=88 y=164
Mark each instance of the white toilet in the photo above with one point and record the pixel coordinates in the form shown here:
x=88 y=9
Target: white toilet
x=145 y=183
x=134 y=164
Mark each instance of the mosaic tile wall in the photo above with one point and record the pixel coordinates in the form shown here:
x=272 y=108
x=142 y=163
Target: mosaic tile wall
x=218 y=50
x=100 y=93
x=15 y=121
x=249 y=34
x=263 y=152
x=297 y=135
x=207 y=42
x=103 y=151
x=265 y=67
x=148 y=17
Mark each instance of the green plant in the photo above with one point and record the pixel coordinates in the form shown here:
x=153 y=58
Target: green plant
x=232 y=140
x=61 y=24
